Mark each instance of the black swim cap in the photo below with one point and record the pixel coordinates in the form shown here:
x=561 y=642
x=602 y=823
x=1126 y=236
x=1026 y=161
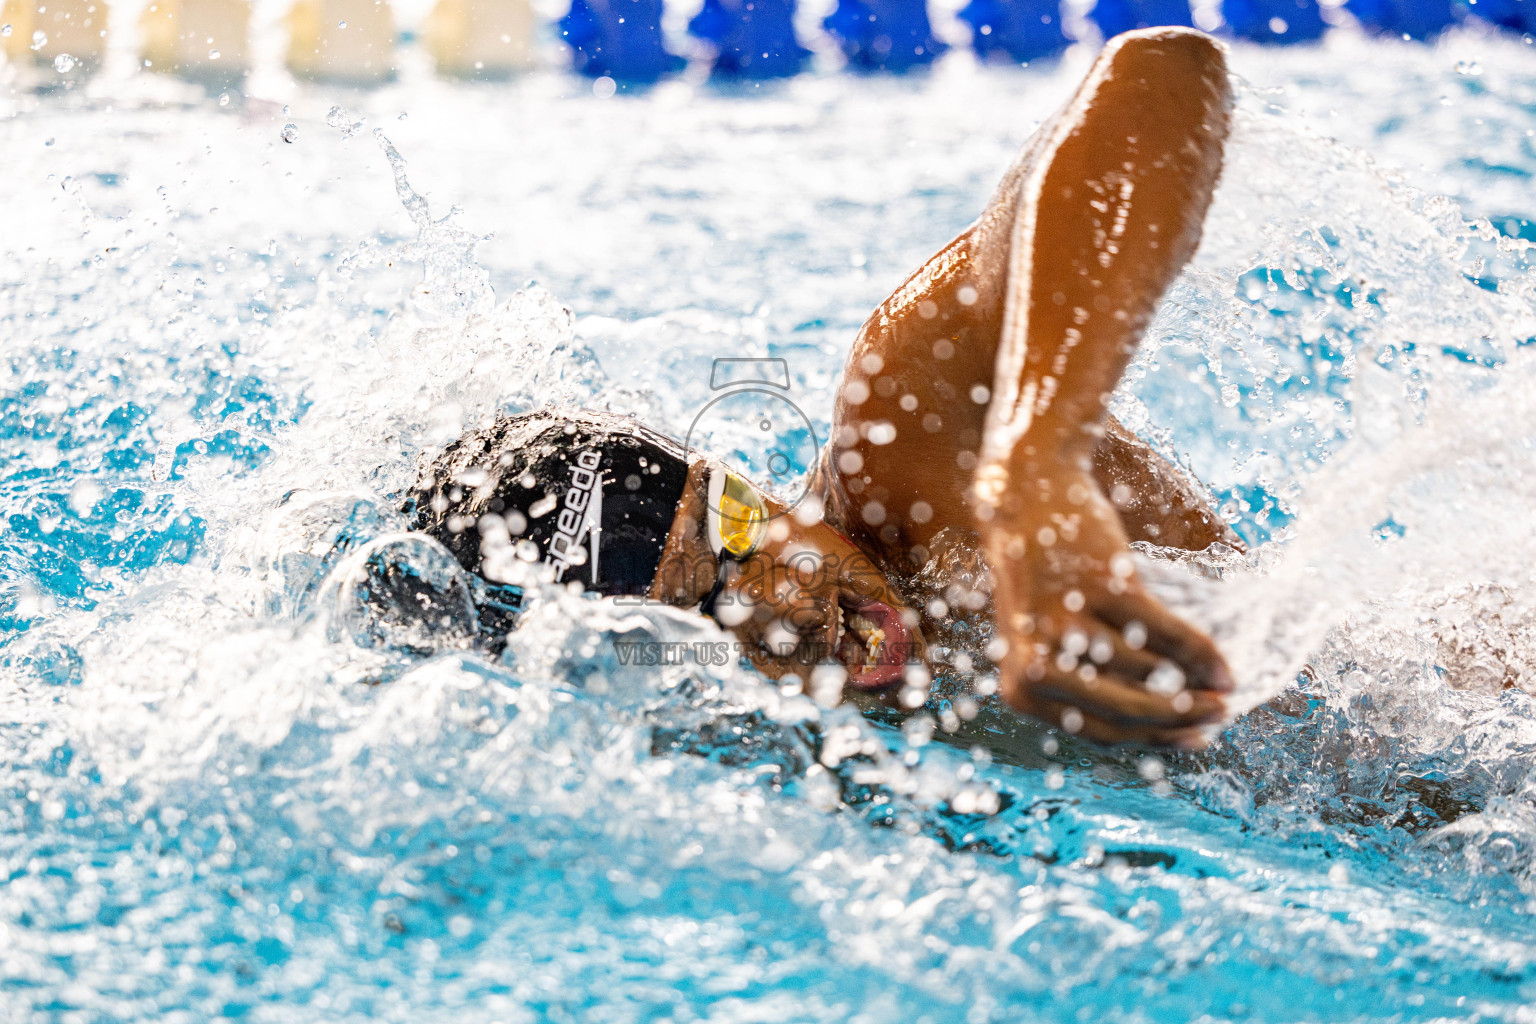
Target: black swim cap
x=594 y=493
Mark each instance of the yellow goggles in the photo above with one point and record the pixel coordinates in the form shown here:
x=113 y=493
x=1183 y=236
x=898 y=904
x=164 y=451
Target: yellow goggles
x=738 y=515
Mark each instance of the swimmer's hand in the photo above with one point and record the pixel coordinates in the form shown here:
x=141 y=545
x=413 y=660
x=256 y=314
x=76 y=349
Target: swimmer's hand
x=1087 y=648
x=1109 y=208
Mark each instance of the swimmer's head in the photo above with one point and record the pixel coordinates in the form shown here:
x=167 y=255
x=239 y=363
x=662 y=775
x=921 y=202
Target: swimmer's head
x=591 y=495
x=622 y=510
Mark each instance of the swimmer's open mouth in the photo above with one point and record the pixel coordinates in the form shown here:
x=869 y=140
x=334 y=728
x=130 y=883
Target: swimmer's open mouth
x=872 y=643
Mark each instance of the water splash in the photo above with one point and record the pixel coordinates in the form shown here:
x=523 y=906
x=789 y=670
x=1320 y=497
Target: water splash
x=344 y=121
x=1371 y=377
x=454 y=284
x=1350 y=380
x=247 y=769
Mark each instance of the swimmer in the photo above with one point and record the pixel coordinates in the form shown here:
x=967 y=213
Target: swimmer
x=970 y=439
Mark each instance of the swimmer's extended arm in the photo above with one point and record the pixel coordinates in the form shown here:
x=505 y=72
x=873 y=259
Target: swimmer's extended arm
x=1109 y=211
x=914 y=398
x=1140 y=146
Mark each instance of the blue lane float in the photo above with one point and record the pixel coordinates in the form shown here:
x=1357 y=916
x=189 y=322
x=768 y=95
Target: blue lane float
x=1116 y=16
x=751 y=38
x=1418 y=19
x=884 y=35
x=619 y=39
x=1516 y=15
x=1274 y=22
x=1015 y=31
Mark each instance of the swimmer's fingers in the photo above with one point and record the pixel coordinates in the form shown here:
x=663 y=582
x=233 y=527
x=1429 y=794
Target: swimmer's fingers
x=1125 y=661
x=1099 y=730
x=1126 y=705
x=1144 y=623
x=1098 y=644
x=1114 y=654
x=1114 y=713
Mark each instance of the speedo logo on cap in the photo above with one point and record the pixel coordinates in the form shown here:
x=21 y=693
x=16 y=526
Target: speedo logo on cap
x=581 y=518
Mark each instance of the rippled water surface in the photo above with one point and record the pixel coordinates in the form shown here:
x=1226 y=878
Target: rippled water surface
x=237 y=780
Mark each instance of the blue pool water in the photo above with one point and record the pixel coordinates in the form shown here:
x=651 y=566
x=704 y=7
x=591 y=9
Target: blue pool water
x=223 y=353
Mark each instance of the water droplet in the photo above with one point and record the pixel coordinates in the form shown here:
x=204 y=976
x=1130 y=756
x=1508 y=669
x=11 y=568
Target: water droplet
x=5 y=31
x=39 y=39
x=341 y=24
x=63 y=63
x=223 y=99
x=165 y=461
x=345 y=120
x=84 y=496
x=604 y=87
x=213 y=54
x=290 y=133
